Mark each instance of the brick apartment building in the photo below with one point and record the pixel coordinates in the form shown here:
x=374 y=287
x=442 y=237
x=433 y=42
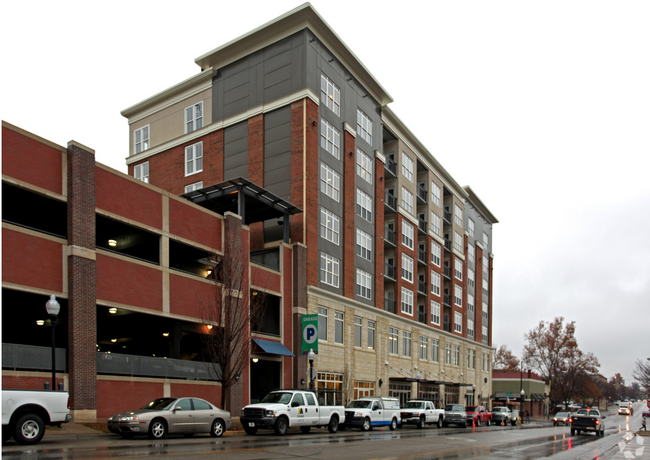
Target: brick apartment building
x=346 y=215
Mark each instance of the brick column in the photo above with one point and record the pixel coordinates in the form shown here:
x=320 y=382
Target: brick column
x=490 y=306
x=299 y=309
x=349 y=214
x=379 y=232
x=82 y=315
x=478 y=294
x=256 y=170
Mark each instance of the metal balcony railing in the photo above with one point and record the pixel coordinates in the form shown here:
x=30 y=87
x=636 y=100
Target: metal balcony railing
x=422 y=256
x=446 y=216
x=389 y=305
x=447 y=245
x=422 y=194
x=447 y=271
x=389 y=235
x=422 y=287
x=389 y=271
x=422 y=225
x=422 y=317
x=446 y=299
x=447 y=326
x=390 y=200
x=391 y=166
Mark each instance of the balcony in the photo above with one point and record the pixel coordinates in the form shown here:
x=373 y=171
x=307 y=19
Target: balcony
x=389 y=236
x=446 y=326
x=446 y=216
x=447 y=271
x=389 y=305
x=422 y=225
x=422 y=287
x=391 y=167
x=446 y=299
x=447 y=245
x=422 y=316
x=422 y=256
x=389 y=271
x=390 y=201
x=422 y=194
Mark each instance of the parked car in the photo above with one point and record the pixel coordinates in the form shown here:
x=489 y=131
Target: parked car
x=455 y=415
x=478 y=415
x=561 y=418
x=372 y=411
x=420 y=413
x=163 y=416
x=503 y=415
x=587 y=420
x=26 y=412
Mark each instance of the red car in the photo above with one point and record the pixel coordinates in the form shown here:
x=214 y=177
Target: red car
x=478 y=415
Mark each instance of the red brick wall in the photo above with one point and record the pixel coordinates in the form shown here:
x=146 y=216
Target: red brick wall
x=123 y=395
x=195 y=225
x=478 y=297
x=490 y=305
x=399 y=250
x=125 y=282
x=440 y=271
x=24 y=255
x=349 y=199
x=265 y=279
x=19 y=382
x=29 y=160
x=287 y=310
x=379 y=234
x=208 y=392
x=189 y=296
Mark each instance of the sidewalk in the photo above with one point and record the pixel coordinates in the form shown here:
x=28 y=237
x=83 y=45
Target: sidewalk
x=74 y=429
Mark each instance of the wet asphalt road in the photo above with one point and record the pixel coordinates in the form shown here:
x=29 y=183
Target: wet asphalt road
x=522 y=442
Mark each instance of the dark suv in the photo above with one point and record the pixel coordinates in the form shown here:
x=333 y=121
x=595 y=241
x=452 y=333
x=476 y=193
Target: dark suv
x=455 y=415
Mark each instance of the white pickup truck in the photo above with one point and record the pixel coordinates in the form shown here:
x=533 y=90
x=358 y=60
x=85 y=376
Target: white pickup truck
x=26 y=412
x=421 y=412
x=282 y=409
x=372 y=411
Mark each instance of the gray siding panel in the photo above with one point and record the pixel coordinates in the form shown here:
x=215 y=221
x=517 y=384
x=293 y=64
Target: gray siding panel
x=236 y=151
x=277 y=152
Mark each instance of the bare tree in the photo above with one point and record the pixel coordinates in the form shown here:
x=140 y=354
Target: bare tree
x=504 y=360
x=347 y=385
x=233 y=312
x=641 y=374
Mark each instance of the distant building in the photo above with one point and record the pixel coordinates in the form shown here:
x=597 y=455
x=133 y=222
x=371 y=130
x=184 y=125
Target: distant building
x=507 y=386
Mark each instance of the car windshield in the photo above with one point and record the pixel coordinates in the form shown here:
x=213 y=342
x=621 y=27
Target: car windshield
x=471 y=408
x=278 y=398
x=500 y=409
x=562 y=414
x=159 y=404
x=588 y=412
x=454 y=407
x=359 y=404
x=413 y=405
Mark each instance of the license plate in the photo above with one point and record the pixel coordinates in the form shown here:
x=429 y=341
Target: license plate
x=404 y=420
x=251 y=424
x=590 y=428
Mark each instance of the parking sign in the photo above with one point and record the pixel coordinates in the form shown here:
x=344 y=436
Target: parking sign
x=309 y=333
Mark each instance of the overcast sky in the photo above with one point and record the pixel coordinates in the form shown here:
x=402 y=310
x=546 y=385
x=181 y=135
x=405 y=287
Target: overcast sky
x=543 y=108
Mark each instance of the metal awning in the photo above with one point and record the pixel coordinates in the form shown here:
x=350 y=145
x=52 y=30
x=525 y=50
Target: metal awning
x=273 y=348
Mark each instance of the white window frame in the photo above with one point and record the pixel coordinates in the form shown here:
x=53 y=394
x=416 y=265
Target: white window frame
x=194 y=159
x=407 y=166
x=458 y=295
x=141 y=139
x=447 y=353
x=436 y=253
x=435 y=283
x=470 y=226
x=486 y=240
x=141 y=172
x=458 y=322
x=407 y=200
x=338 y=326
x=364 y=166
x=458 y=269
x=407 y=343
x=435 y=313
x=364 y=126
x=456 y=355
x=435 y=223
x=372 y=328
x=458 y=215
x=471 y=278
x=195 y=186
x=485 y=263
x=364 y=205
x=486 y=289
x=322 y=320
x=484 y=338
x=407 y=301
x=424 y=347
x=193 y=120
x=393 y=340
x=330 y=94
x=407 y=268
x=330 y=225
x=458 y=242
x=364 y=284
x=364 y=245
x=435 y=193
x=470 y=327
x=330 y=182
x=408 y=234
x=358 y=331
x=329 y=268
x=435 y=350
x=330 y=138
x=470 y=302
x=471 y=253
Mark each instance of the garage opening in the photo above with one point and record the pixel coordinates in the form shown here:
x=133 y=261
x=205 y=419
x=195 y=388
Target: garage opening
x=265 y=376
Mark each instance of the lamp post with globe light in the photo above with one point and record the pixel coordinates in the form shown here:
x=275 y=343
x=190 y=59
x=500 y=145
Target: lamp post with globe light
x=53 y=308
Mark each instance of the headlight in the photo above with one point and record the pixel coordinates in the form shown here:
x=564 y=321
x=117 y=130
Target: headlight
x=358 y=414
x=269 y=413
x=110 y=419
x=128 y=418
x=242 y=412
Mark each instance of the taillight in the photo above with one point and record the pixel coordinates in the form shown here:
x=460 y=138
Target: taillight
x=570 y=420
x=68 y=401
x=597 y=422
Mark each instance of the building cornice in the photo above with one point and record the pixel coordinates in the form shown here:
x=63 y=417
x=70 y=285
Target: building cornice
x=480 y=206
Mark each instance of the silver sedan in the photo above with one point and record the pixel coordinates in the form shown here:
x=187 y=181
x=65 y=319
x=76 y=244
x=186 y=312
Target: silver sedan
x=163 y=416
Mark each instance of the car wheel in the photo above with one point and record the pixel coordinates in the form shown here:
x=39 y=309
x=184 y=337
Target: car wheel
x=305 y=429
x=478 y=422
x=218 y=429
x=393 y=424
x=333 y=425
x=465 y=424
x=250 y=430
x=554 y=423
x=157 y=429
x=439 y=424
x=420 y=423
x=29 y=429
x=489 y=422
x=366 y=424
x=281 y=426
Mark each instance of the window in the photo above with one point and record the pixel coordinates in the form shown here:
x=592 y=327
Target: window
x=371 y=335
x=338 y=327
x=393 y=334
x=486 y=240
x=407 y=301
x=470 y=227
x=329 y=269
x=333 y=382
x=458 y=269
x=330 y=138
x=194 y=158
x=484 y=311
x=485 y=264
x=435 y=346
x=194 y=186
x=329 y=225
x=424 y=342
x=330 y=94
x=407 y=268
x=458 y=322
x=364 y=205
x=448 y=353
x=470 y=278
x=364 y=166
x=435 y=193
x=141 y=172
x=407 y=166
x=435 y=253
x=435 y=223
x=458 y=242
x=469 y=358
x=330 y=182
x=407 y=200
x=435 y=283
x=194 y=117
x=364 y=127
x=458 y=295
x=470 y=253
x=485 y=286
x=364 y=244
x=363 y=389
x=484 y=336
x=407 y=234
x=470 y=327
x=141 y=139
x=322 y=323
x=406 y=343
x=470 y=302
x=435 y=313
x=357 y=331
x=456 y=355
x=364 y=284
x=458 y=215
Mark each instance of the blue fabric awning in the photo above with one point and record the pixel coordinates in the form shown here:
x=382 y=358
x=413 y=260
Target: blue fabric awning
x=274 y=348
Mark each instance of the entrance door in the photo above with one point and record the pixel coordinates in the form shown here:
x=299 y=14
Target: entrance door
x=266 y=376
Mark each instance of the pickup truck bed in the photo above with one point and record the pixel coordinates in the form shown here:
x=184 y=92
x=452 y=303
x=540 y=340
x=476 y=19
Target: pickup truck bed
x=26 y=412
x=589 y=421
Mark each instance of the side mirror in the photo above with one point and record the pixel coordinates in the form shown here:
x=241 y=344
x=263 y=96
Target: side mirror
x=295 y=404
x=604 y=416
x=177 y=408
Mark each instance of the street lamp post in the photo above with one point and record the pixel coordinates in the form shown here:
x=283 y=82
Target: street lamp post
x=474 y=394
x=311 y=356
x=521 y=411
x=53 y=308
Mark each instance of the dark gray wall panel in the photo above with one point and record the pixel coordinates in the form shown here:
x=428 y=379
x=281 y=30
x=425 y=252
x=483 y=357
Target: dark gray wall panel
x=235 y=147
x=277 y=152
